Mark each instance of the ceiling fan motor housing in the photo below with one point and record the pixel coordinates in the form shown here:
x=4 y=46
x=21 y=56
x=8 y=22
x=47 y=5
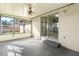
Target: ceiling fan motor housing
x=29 y=11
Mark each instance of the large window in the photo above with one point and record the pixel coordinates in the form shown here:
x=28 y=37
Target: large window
x=14 y=26
x=7 y=25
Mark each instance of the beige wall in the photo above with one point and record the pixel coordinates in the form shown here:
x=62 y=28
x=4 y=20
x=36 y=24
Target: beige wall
x=69 y=27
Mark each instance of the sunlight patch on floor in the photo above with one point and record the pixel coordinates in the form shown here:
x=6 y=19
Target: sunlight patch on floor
x=14 y=50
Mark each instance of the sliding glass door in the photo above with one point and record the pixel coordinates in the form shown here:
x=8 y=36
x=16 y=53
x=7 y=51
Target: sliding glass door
x=53 y=27
x=44 y=24
x=49 y=27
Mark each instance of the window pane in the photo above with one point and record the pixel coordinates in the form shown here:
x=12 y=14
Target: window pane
x=7 y=25
x=22 y=26
x=17 y=26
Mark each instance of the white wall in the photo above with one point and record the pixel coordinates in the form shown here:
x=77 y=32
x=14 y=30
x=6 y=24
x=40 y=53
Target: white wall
x=69 y=27
x=36 y=27
x=16 y=36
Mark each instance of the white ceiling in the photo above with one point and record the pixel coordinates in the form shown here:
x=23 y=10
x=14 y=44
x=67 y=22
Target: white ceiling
x=20 y=9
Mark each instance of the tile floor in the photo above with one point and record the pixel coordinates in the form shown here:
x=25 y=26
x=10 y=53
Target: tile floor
x=32 y=47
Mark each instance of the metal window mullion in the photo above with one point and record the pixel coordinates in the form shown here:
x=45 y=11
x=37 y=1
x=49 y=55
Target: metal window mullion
x=0 y=25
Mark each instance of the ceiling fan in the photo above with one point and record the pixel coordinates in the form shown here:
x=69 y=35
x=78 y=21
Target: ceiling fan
x=29 y=11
